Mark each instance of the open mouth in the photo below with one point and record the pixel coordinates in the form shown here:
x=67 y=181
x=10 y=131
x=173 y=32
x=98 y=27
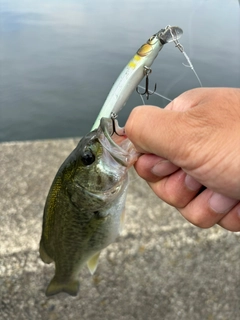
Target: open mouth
x=111 y=140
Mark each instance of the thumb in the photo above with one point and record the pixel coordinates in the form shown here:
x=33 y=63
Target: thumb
x=159 y=131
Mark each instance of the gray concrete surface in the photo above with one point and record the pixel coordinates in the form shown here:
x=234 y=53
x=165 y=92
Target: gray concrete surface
x=161 y=268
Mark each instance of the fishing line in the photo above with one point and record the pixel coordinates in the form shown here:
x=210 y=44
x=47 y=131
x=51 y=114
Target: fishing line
x=181 y=49
x=189 y=65
x=143 y=102
x=158 y=94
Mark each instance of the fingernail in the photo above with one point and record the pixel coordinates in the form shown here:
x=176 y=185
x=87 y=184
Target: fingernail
x=221 y=204
x=192 y=184
x=163 y=168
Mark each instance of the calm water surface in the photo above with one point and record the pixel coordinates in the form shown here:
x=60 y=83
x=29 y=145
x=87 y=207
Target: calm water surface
x=60 y=58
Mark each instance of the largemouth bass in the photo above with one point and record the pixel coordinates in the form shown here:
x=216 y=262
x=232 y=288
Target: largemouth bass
x=85 y=206
x=84 y=210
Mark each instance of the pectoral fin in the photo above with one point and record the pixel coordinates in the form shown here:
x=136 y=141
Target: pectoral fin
x=93 y=263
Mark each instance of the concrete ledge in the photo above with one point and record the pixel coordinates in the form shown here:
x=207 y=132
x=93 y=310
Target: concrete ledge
x=161 y=268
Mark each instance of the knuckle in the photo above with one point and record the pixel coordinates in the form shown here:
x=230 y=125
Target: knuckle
x=197 y=217
x=178 y=200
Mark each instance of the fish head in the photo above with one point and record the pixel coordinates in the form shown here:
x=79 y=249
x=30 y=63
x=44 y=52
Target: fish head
x=102 y=160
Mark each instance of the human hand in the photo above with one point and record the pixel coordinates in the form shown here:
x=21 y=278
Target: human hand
x=193 y=142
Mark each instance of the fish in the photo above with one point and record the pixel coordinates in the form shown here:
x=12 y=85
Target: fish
x=84 y=210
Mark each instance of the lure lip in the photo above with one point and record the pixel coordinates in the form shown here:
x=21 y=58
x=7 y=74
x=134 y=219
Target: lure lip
x=169 y=34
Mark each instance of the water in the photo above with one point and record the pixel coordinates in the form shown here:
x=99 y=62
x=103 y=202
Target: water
x=60 y=58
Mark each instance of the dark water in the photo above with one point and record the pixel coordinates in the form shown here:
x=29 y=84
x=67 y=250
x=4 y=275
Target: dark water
x=60 y=58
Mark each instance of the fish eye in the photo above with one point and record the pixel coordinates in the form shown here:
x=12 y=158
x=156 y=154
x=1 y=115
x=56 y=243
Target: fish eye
x=88 y=157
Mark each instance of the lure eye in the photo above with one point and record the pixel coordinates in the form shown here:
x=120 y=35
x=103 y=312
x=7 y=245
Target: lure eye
x=152 y=38
x=88 y=158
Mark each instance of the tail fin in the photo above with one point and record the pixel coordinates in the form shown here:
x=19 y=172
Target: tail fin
x=54 y=287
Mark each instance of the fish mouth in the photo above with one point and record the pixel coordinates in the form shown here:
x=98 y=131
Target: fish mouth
x=118 y=145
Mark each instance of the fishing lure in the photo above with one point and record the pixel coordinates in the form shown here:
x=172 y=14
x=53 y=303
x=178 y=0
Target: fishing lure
x=136 y=69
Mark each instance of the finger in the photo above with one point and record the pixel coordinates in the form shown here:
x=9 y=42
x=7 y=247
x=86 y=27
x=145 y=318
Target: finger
x=231 y=221
x=203 y=212
x=151 y=167
x=174 y=190
x=185 y=101
x=169 y=134
x=154 y=137
x=183 y=127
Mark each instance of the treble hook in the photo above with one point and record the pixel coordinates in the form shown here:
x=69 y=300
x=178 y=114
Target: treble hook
x=147 y=71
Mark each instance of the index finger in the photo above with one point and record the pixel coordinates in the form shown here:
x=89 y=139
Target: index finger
x=155 y=130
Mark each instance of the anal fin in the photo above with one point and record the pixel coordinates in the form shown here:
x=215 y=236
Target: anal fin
x=93 y=262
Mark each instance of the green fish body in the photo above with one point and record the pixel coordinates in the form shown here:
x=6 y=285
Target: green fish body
x=84 y=209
